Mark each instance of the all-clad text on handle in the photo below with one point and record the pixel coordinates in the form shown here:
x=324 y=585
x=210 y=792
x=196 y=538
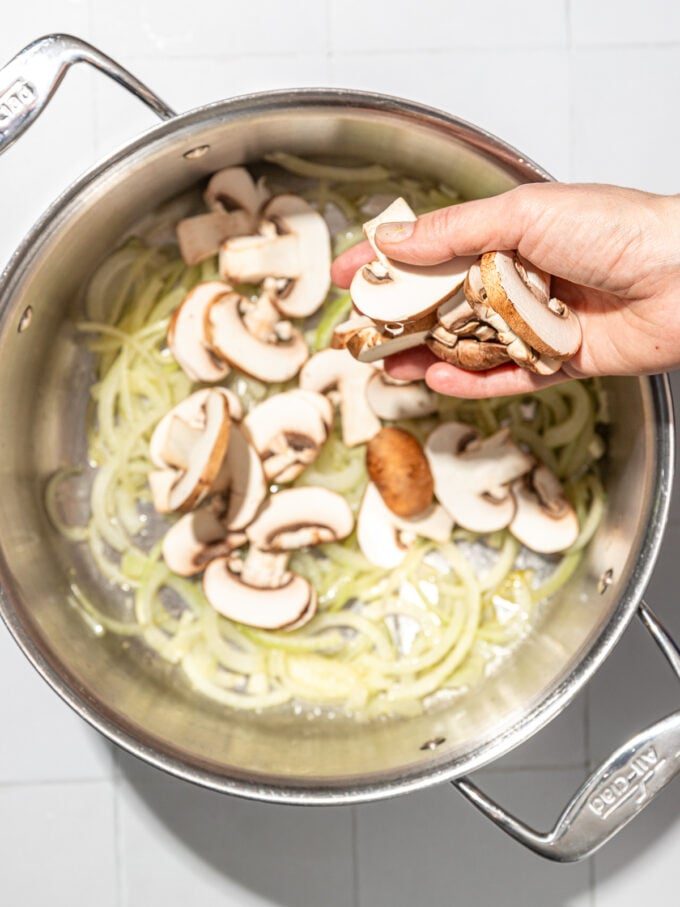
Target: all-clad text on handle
x=30 y=79
x=616 y=791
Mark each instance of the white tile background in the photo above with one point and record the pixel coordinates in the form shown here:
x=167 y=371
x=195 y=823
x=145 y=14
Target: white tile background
x=80 y=824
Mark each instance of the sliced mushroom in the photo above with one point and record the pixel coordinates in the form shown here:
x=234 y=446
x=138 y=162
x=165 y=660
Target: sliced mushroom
x=190 y=443
x=398 y=468
x=249 y=259
x=337 y=369
x=460 y=337
x=187 y=337
x=472 y=474
x=516 y=349
x=544 y=520
x=259 y=590
x=272 y=359
x=292 y=247
x=282 y=607
x=385 y=538
x=294 y=217
x=297 y=517
x=546 y=325
x=389 y=291
x=234 y=189
x=288 y=431
x=370 y=342
x=199 y=537
x=200 y=237
x=241 y=479
x=391 y=399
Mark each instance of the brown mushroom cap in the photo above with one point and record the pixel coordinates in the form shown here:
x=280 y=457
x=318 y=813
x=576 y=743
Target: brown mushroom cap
x=468 y=353
x=398 y=467
x=242 y=478
x=550 y=328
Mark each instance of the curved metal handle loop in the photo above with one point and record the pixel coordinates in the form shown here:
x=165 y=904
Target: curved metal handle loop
x=30 y=79
x=616 y=791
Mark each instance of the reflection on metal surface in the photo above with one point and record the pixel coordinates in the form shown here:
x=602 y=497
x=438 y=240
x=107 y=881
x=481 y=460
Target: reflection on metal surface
x=195 y=153
x=605 y=581
x=25 y=320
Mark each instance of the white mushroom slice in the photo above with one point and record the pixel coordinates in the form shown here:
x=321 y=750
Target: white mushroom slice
x=234 y=188
x=550 y=328
x=385 y=538
x=288 y=431
x=337 y=369
x=201 y=236
x=344 y=331
x=294 y=217
x=160 y=483
x=191 y=441
x=472 y=475
x=187 y=337
x=189 y=413
x=284 y=607
x=272 y=361
x=322 y=404
x=197 y=538
x=297 y=517
x=544 y=520
x=392 y=401
x=241 y=477
x=264 y=569
x=249 y=259
x=390 y=291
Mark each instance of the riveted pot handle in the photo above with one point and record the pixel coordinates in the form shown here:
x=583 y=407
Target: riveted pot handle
x=617 y=790
x=30 y=79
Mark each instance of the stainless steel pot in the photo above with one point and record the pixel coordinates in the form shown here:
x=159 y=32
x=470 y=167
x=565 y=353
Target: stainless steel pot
x=146 y=708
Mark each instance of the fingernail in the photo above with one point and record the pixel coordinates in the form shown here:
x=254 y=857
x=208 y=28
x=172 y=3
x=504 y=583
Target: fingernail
x=395 y=232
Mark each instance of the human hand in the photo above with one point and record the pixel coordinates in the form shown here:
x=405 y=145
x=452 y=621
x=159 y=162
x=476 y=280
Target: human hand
x=615 y=259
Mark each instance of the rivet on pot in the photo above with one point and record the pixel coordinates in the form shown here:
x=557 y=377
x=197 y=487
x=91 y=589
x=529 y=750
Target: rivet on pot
x=25 y=320
x=194 y=153
x=605 y=581
x=433 y=744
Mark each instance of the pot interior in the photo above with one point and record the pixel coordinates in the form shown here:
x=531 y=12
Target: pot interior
x=45 y=375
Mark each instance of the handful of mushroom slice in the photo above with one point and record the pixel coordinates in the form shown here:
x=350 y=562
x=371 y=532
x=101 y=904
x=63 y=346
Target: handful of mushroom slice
x=475 y=314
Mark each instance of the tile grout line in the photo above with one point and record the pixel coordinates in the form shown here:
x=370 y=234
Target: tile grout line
x=571 y=132
x=356 y=897
x=117 y=828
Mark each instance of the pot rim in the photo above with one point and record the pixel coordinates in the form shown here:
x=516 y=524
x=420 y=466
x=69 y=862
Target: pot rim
x=160 y=756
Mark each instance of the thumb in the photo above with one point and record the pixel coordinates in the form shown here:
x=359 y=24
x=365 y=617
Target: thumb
x=466 y=229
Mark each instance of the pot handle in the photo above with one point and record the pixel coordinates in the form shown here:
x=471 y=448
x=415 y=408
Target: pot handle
x=616 y=791
x=30 y=79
